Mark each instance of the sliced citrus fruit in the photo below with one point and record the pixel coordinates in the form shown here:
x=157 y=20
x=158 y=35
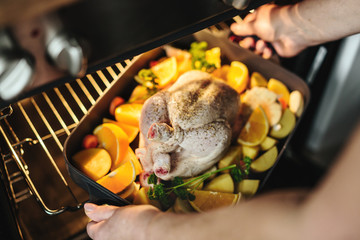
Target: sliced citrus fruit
x=221 y=72
x=255 y=129
x=131 y=131
x=129 y=113
x=94 y=162
x=213 y=56
x=166 y=71
x=209 y=200
x=114 y=140
x=280 y=89
x=118 y=179
x=238 y=76
x=257 y=80
x=130 y=156
x=130 y=191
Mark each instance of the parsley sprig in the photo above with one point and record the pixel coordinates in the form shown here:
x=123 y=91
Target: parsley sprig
x=241 y=172
x=162 y=191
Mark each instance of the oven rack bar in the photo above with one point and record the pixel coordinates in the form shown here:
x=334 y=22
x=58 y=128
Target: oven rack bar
x=82 y=93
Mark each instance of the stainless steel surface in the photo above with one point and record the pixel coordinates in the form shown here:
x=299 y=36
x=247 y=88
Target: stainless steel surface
x=64 y=51
x=16 y=68
x=238 y=4
x=339 y=106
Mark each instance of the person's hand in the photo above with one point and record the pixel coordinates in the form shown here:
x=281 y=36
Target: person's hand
x=273 y=24
x=110 y=222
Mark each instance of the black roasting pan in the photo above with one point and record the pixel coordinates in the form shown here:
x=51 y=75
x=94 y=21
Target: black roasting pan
x=124 y=85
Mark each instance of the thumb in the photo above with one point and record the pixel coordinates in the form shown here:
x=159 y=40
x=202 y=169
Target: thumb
x=242 y=29
x=99 y=213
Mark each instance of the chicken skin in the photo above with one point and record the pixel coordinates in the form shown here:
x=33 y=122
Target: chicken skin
x=187 y=128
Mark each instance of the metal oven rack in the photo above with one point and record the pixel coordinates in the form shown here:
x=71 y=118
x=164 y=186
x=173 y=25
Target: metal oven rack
x=34 y=131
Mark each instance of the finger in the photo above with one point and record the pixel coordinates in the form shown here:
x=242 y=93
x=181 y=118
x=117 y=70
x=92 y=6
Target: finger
x=99 y=213
x=248 y=43
x=260 y=46
x=242 y=28
x=267 y=53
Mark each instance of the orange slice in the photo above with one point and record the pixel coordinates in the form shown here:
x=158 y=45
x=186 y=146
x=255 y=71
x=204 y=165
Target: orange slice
x=94 y=162
x=114 y=140
x=257 y=80
x=221 y=72
x=255 y=129
x=130 y=156
x=120 y=178
x=238 y=76
x=166 y=71
x=131 y=131
x=280 y=89
x=129 y=113
x=130 y=191
x=208 y=200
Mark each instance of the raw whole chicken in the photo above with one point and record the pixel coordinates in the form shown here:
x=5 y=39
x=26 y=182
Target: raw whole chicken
x=187 y=128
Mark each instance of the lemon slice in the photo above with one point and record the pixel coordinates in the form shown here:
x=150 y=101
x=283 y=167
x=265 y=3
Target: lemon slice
x=166 y=71
x=238 y=76
x=112 y=138
x=208 y=200
x=255 y=129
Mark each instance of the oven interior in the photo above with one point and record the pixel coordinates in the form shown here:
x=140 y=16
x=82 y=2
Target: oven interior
x=39 y=199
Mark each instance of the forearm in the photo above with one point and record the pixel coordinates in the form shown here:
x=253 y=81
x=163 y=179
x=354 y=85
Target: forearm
x=326 y=20
x=274 y=216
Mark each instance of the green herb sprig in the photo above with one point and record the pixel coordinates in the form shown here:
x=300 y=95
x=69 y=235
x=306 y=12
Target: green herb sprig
x=241 y=172
x=162 y=191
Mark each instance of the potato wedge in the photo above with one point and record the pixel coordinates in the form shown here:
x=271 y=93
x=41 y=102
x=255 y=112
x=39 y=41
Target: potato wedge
x=222 y=183
x=268 y=143
x=285 y=125
x=248 y=187
x=296 y=103
x=231 y=156
x=265 y=161
x=250 y=152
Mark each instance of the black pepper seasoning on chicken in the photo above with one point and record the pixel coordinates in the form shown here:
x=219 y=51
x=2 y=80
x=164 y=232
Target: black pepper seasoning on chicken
x=187 y=128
